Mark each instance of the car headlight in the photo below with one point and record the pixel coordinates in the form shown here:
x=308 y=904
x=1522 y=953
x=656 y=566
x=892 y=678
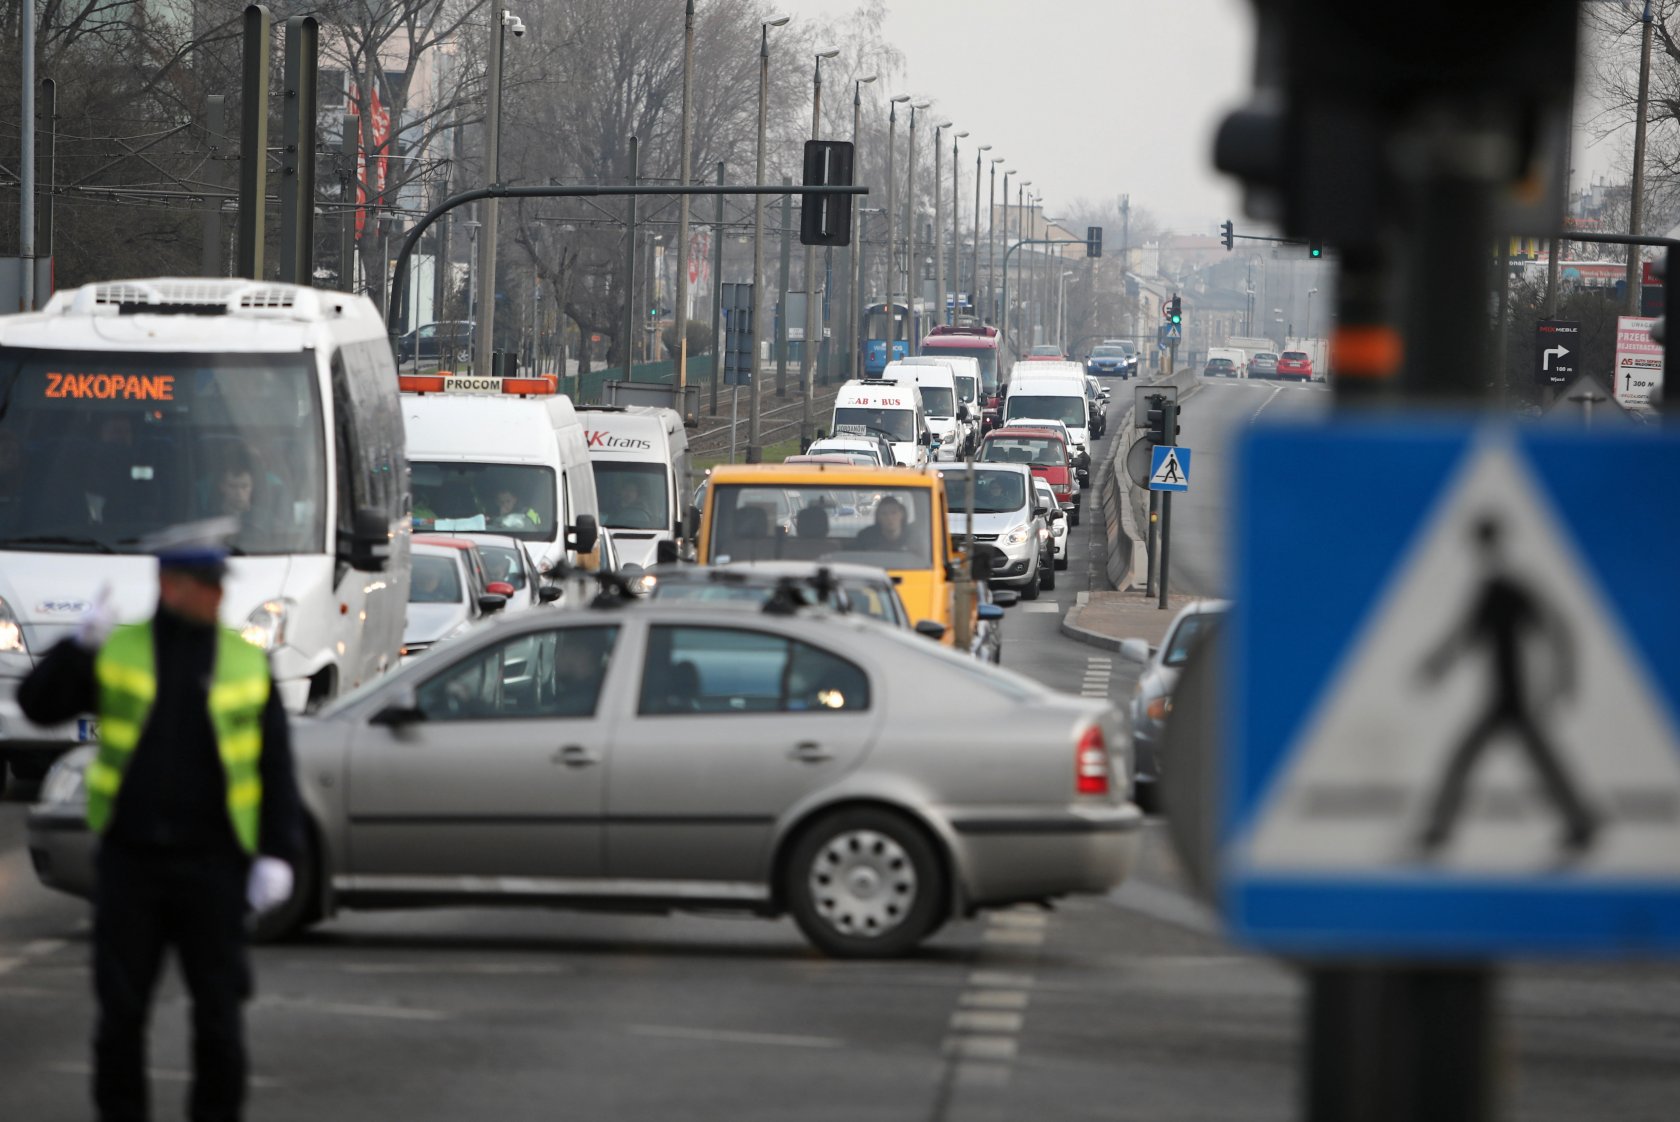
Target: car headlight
x=66 y=780
x=11 y=632
x=266 y=626
x=643 y=584
x=1018 y=535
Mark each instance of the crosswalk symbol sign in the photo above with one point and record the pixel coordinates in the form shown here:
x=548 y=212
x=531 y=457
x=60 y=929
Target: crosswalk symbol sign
x=1169 y=469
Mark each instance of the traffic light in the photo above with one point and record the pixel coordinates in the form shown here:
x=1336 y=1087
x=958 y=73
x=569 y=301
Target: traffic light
x=1315 y=249
x=1157 y=418
x=1175 y=311
x=827 y=219
x=1093 y=241
x=1228 y=235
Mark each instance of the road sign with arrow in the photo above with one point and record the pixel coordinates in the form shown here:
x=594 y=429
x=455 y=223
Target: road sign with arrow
x=1556 y=350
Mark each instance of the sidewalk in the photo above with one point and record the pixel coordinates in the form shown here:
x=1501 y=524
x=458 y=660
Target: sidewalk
x=1106 y=618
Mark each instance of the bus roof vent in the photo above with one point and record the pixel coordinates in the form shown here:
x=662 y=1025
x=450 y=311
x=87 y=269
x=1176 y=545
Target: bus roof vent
x=268 y=296
x=197 y=296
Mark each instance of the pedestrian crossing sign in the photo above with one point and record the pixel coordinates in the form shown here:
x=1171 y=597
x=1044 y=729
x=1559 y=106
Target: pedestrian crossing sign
x=1169 y=468
x=1462 y=736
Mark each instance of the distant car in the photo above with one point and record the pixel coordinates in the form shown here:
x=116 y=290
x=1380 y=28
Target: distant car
x=1108 y=359
x=876 y=448
x=1220 y=368
x=1264 y=364
x=1130 y=349
x=1295 y=364
x=684 y=757
x=1045 y=453
x=1007 y=518
x=437 y=342
x=1152 y=699
x=449 y=592
x=508 y=560
x=1046 y=350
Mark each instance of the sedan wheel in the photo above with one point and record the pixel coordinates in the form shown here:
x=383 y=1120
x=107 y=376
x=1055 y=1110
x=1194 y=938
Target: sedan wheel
x=1061 y=562
x=865 y=884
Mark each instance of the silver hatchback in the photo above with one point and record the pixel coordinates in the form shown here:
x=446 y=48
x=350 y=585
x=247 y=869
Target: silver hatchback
x=865 y=781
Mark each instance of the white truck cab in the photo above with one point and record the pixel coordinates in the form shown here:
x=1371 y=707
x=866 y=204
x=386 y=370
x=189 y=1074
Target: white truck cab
x=965 y=374
x=938 y=387
x=1055 y=390
x=640 y=454
x=503 y=455
x=135 y=406
x=892 y=410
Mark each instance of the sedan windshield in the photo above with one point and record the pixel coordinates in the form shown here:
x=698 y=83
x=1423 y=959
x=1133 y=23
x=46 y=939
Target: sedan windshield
x=100 y=449
x=1068 y=410
x=1108 y=352
x=995 y=491
x=437 y=580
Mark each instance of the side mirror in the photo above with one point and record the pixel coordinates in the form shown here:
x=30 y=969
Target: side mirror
x=1134 y=650
x=368 y=548
x=403 y=709
x=931 y=628
x=991 y=611
x=584 y=534
x=501 y=588
x=1057 y=515
x=1005 y=597
x=492 y=602
x=691 y=523
x=549 y=593
x=1040 y=511
x=665 y=552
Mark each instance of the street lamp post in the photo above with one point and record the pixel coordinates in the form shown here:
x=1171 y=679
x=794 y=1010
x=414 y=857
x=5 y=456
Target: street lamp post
x=854 y=317
x=912 y=266
x=493 y=172
x=892 y=219
x=991 y=239
x=974 y=257
x=939 y=221
x=1021 y=186
x=755 y=452
x=813 y=323
x=680 y=312
x=956 y=233
x=1311 y=292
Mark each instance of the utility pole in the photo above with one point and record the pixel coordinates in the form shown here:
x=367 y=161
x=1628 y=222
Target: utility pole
x=631 y=172
x=782 y=284
x=974 y=256
x=913 y=267
x=215 y=142
x=26 y=170
x=755 y=451
x=813 y=309
x=892 y=222
x=1636 y=197
x=253 y=145
x=486 y=341
x=717 y=297
x=680 y=312
x=854 y=308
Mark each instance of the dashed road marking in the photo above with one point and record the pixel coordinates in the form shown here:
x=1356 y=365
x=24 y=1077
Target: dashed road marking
x=159 y=1074
x=982 y=1047
x=346 y=1009
x=985 y=1021
x=995 y=999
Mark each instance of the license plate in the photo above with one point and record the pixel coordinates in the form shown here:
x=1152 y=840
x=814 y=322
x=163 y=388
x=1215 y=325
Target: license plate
x=87 y=729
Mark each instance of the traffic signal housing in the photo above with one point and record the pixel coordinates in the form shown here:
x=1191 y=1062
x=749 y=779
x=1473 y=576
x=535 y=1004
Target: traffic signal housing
x=1162 y=419
x=1093 y=241
x=1315 y=249
x=1175 y=311
x=1228 y=235
x=826 y=219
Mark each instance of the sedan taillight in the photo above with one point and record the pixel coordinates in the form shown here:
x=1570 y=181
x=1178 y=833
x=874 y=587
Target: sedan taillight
x=1090 y=763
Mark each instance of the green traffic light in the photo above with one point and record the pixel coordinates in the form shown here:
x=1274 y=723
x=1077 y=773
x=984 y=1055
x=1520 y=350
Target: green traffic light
x=1178 y=319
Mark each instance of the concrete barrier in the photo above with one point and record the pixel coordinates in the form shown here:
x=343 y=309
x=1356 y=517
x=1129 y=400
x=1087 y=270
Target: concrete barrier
x=1122 y=505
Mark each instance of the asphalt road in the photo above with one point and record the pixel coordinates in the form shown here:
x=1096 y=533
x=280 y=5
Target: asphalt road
x=1125 y=1007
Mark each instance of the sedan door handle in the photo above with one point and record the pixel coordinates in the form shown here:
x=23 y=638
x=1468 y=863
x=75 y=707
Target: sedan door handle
x=810 y=752
x=575 y=755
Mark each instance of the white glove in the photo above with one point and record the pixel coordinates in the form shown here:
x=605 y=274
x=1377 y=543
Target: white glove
x=97 y=623
x=269 y=885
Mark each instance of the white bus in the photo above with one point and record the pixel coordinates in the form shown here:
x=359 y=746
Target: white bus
x=129 y=407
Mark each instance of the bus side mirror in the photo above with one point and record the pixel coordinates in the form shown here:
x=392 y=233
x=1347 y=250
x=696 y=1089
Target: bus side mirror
x=368 y=548
x=584 y=534
x=665 y=552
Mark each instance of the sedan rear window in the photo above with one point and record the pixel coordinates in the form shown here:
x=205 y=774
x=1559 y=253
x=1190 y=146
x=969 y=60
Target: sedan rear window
x=1295 y=356
x=436 y=580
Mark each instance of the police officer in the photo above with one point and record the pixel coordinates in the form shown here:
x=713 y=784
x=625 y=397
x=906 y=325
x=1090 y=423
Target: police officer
x=194 y=799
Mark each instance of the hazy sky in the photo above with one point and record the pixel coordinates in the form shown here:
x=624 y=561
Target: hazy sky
x=1118 y=96
x=1121 y=96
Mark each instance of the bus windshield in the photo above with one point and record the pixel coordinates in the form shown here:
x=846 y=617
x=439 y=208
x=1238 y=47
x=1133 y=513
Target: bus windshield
x=891 y=527
x=897 y=425
x=633 y=495
x=986 y=355
x=100 y=449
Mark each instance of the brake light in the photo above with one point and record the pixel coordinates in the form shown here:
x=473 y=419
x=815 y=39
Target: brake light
x=1090 y=763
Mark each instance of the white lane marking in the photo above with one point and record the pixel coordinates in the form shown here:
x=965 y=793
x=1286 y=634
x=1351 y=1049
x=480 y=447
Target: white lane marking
x=1165 y=905
x=346 y=1009
x=724 y=1036
x=1019 y=919
x=161 y=1074
x=40 y=948
x=1035 y=608
x=985 y=1021
x=982 y=1047
x=1013 y=936
x=995 y=999
x=7 y=965
x=972 y=1074
x=1256 y=414
x=1000 y=979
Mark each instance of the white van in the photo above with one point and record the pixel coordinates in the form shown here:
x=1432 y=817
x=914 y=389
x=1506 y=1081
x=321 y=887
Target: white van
x=1054 y=390
x=134 y=406
x=506 y=455
x=965 y=370
x=939 y=401
x=640 y=453
x=892 y=410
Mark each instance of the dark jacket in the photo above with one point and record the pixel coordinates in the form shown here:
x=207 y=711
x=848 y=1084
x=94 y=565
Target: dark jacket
x=174 y=791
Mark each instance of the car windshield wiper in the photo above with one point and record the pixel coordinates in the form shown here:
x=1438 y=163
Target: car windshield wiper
x=75 y=541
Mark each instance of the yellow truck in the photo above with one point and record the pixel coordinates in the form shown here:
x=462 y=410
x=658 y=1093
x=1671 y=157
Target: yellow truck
x=891 y=517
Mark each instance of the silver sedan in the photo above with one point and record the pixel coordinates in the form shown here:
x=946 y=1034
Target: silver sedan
x=869 y=783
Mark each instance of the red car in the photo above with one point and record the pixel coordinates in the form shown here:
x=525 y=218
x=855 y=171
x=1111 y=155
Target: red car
x=1295 y=364
x=1046 y=455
